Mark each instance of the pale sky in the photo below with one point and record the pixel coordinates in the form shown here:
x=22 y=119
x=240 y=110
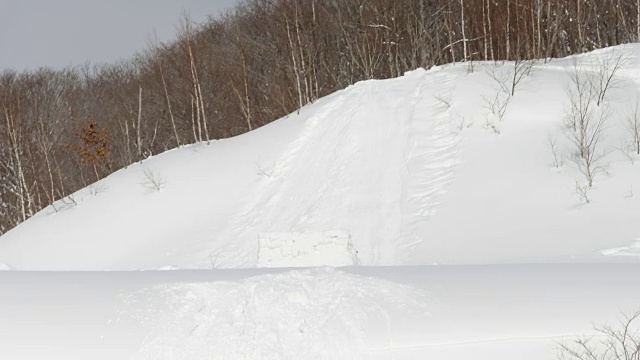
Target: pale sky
x=57 y=33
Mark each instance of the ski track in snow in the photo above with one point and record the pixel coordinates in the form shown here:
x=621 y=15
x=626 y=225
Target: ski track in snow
x=432 y=160
x=309 y=314
x=406 y=154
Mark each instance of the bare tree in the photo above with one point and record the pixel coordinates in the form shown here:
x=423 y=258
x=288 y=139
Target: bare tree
x=632 y=124
x=497 y=105
x=152 y=179
x=521 y=68
x=604 y=77
x=585 y=125
x=613 y=342
x=558 y=159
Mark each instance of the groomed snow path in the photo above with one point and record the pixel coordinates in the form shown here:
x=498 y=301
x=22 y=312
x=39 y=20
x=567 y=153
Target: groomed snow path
x=373 y=163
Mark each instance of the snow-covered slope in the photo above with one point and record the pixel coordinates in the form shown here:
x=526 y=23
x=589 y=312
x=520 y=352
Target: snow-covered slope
x=421 y=170
x=416 y=170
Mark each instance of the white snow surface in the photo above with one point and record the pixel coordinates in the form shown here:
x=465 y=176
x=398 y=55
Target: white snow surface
x=311 y=314
x=427 y=312
x=488 y=250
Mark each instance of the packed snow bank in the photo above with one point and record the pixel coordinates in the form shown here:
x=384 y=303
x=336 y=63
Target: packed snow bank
x=310 y=314
x=333 y=248
x=5 y=267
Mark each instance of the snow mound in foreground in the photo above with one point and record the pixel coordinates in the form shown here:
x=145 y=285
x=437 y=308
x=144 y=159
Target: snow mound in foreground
x=311 y=314
x=331 y=248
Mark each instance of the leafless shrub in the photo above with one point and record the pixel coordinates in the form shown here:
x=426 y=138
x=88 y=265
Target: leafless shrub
x=153 y=180
x=265 y=171
x=497 y=105
x=582 y=190
x=521 y=68
x=558 y=159
x=500 y=78
x=507 y=82
x=65 y=203
x=214 y=260
x=604 y=78
x=632 y=124
x=471 y=66
x=97 y=188
x=611 y=342
x=463 y=123
x=585 y=126
x=490 y=125
x=624 y=150
x=444 y=100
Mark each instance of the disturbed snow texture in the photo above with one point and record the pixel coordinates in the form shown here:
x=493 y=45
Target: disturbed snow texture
x=310 y=314
x=490 y=312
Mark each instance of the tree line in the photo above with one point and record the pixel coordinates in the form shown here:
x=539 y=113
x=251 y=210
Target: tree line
x=61 y=130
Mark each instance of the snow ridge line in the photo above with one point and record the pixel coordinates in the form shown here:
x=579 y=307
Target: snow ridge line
x=430 y=159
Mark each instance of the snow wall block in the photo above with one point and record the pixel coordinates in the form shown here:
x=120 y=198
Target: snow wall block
x=291 y=249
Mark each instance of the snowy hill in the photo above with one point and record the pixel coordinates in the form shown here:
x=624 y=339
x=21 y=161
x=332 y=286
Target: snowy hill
x=447 y=166
x=412 y=169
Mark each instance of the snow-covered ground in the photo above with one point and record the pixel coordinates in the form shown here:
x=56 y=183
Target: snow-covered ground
x=470 y=235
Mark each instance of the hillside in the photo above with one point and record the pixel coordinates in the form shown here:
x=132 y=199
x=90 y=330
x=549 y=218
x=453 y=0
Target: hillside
x=417 y=170
x=462 y=202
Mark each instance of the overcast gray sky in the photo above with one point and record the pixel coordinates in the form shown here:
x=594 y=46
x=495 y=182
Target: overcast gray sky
x=56 y=33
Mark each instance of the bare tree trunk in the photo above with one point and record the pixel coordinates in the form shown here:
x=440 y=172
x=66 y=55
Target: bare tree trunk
x=484 y=31
x=539 y=37
x=303 y=65
x=26 y=199
x=508 y=31
x=295 y=65
x=139 y=124
x=449 y=27
x=166 y=94
x=193 y=120
x=493 y=58
x=202 y=109
x=245 y=81
x=637 y=20
x=462 y=26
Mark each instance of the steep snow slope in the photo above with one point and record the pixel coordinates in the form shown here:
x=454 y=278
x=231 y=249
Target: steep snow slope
x=416 y=170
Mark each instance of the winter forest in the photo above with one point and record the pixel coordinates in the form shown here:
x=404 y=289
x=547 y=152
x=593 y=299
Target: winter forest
x=61 y=130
